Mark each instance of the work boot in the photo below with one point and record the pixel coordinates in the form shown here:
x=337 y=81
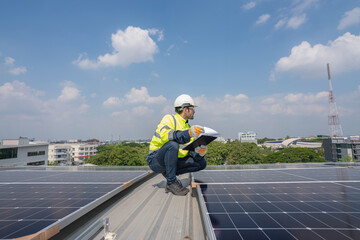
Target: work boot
x=176 y=188
x=164 y=174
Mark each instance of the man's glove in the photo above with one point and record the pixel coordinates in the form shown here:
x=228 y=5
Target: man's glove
x=201 y=150
x=196 y=130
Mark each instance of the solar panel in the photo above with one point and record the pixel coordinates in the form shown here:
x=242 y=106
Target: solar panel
x=34 y=201
x=238 y=205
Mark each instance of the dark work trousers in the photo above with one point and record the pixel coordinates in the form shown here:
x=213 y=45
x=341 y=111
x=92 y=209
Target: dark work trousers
x=166 y=160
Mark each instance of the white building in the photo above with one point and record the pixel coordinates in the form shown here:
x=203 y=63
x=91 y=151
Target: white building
x=67 y=153
x=60 y=153
x=82 y=151
x=250 y=137
x=22 y=152
x=292 y=142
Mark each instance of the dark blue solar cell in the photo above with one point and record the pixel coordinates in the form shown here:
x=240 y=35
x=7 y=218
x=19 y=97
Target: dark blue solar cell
x=331 y=234
x=242 y=221
x=250 y=207
x=253 y=234
x=264 y=221
x=211 y=198
x=226 y=198
x=279 y=234
x=352 y=234
x=308 y=221
x=233 y=207
x=272 y=197
x=241 y=198
x=331 y=221
x=268 y=207
x=287 y=207
x=304 y=234
x=305 y=207
x=215 y=207
x=256 y=198
x=227 y=234
x=286 y=221
x=348 y=218
x=221 y=221
x=8 y=227
x=31 y=228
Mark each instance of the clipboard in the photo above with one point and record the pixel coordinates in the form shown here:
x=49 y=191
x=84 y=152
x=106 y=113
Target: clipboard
x=202 y=140
x=205 y=138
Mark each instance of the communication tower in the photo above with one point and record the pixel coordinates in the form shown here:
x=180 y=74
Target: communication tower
x=335 y=129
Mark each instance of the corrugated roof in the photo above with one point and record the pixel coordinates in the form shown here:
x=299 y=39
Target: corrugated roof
x=145 y=211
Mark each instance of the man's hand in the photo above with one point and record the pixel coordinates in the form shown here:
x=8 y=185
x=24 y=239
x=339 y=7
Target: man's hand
x=201 y=150
x=196 y=130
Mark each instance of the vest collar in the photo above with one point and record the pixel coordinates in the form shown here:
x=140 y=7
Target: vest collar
x=181 y=119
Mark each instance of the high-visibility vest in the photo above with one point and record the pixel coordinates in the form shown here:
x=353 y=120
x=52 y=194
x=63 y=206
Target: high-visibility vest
x=165 y=131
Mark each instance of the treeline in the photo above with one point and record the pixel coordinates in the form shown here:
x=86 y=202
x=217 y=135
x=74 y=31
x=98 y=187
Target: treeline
x=124 y=154
x=231 y=153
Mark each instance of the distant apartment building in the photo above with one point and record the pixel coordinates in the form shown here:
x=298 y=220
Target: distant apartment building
x=60 y=153
x=336 y=149
x=22 y=152
x=250 y=137
x=82 y=151
x=72 y=153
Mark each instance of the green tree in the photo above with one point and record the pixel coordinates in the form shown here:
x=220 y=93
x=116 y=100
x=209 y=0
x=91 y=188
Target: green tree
x=293 y=155
x=217 y=153
x=125 y=154
x=244 y=153
x=347 y=158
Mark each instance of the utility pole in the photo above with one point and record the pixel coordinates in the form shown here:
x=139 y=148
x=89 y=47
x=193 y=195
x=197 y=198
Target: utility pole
x=335 y=129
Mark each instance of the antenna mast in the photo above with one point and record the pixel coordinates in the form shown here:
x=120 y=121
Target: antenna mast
x=335 y=129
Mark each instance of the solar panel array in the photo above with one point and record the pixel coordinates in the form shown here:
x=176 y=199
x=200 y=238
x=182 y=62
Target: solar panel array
x=32 y=201
x=321 y=203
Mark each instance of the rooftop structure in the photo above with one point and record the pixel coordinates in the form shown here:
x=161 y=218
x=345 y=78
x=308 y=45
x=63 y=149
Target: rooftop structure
x=292 y=142
x=22 y=152
x=339 y=148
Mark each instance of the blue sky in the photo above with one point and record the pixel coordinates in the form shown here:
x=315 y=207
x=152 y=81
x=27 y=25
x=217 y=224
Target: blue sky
x=104 y=69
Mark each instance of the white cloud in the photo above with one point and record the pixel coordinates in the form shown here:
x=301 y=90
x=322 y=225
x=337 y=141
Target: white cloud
x=10 y=65
x=9 y=61
x=303 y=5
x=263 y=19
x=142 y=110
x=297 y=104
x=350 y=18
x=296 y=21
x=18 y=70
x=343 y=54
x=69 y=94
x=154 y=31
x=18 y=90
x=142 y=96
x=249 y=5
x=280 y=23
x=134 y=45
x=112 y=102
x=229 y=104
x=293 y=17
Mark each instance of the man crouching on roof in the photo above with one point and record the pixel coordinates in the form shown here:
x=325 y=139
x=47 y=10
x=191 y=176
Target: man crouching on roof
x=166 y=156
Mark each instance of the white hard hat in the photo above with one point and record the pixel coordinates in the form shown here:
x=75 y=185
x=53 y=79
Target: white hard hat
x=184 y=100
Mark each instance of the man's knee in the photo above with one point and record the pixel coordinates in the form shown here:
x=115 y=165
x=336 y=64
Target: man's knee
x=173 y=145
x=202 y=164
